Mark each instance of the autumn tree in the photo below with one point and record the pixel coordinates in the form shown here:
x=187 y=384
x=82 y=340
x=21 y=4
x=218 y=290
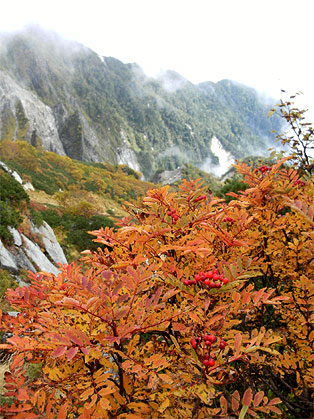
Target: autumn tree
x=193 y=308
x=159 y=324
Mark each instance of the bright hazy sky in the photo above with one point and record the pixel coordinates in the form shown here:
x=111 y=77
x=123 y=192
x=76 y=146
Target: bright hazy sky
x=266 y=44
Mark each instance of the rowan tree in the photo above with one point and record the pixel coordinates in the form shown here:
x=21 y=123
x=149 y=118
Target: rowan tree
x=193 y=308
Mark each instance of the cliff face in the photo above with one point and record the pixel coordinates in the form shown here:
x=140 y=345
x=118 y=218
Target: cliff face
x=65 y=97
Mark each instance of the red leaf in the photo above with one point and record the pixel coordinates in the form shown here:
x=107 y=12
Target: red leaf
x=75 y=336
x=71 y=352
x=274 y=401
x=59 y=351
x=237 y=343
x=258 y=398
x=247 y=397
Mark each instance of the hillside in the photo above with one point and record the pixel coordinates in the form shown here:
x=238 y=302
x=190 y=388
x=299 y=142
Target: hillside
x=63 y=96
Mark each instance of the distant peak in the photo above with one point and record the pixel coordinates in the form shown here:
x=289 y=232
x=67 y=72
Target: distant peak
x=171 y=80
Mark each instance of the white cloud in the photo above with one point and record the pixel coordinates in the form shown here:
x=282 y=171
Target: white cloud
x=265 y=44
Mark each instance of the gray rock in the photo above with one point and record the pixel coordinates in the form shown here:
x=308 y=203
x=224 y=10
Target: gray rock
x=50 y=242
x=22 y=260
x=125 y=155
x=13 y=313
x=28 y=186
x=21 y=282
x=36 y=255
x=40 y=116
x=169 y=176
x=16 y=236
x=7 y=259
x=16 y=176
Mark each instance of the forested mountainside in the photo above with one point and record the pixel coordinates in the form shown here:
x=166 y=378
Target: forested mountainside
x=63 y=96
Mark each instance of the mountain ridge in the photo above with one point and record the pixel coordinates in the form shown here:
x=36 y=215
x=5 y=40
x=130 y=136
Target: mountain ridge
x=65 y=97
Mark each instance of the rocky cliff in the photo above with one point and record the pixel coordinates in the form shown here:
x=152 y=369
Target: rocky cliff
x=33 y=249
x=64 y=97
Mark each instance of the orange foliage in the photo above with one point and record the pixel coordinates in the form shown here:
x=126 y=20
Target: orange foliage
x=193 y=309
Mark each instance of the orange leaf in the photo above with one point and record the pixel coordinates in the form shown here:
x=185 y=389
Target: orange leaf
x=247 y=397
x=223 y=404
x=87 y=393
x=22 y=394
x=62 y=414
x=92 y=402
x=235 y=400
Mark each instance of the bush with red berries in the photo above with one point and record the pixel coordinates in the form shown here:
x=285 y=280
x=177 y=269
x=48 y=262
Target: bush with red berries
x=177 y=315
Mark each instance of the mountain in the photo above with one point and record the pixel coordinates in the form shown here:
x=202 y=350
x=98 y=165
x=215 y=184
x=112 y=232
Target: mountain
x=64 y=97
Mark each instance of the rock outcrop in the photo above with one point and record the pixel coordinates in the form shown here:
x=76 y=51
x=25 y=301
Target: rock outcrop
x=26 y=254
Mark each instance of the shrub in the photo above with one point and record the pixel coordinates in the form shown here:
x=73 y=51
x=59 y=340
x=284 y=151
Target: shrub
x=196 y=308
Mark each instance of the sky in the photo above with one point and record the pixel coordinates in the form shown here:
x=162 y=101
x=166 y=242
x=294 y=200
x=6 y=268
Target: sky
x=265 y=44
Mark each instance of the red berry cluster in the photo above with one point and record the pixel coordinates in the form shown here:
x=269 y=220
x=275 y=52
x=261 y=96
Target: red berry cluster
x=200 y=198
x=208 y=343
x=174 y=215
x=229 y=220
x=210 y=278
x=264 y=169
x=299 y=182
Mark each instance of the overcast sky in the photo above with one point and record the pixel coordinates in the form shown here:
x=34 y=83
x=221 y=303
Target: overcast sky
x=265 y=44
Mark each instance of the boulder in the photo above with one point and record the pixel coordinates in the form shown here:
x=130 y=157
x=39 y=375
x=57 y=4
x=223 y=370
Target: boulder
x=50 y=242
x=7 y=259
x=33 y=251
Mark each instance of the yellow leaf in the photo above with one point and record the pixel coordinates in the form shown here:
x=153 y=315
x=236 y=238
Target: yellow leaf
x=164 y=405
x=165 y=378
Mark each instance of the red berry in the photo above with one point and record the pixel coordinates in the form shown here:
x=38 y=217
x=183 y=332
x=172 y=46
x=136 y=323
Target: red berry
x=225 y=281
x=208 y=342
x=218 y=285
x=207 y=282
x=209 y=274
x=215 y=277
x=215 y=271
x=175 y=217
x=186 y=282
x=222 y=344
x=206 y=362
x=211 y=338
x=211 y=362
x=212 y=285
x=169 y=213
x=197 y=277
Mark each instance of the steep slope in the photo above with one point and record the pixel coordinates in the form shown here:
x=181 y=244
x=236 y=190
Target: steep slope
x=65 y=97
